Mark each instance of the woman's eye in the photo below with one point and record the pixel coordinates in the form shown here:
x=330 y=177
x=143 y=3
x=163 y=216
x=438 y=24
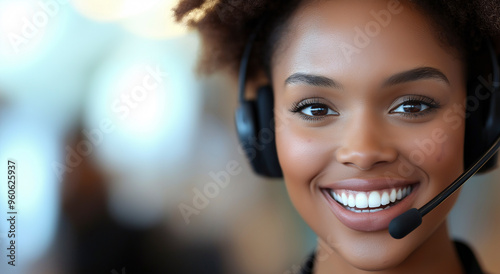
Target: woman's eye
x=313 y=109
x=411 y=107
x=316 y=110
x=415 y=106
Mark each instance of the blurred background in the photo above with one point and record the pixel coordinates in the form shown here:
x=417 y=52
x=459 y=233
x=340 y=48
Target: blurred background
x=128 y=161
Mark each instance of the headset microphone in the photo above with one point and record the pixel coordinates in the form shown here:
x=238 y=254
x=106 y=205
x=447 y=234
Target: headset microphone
x=405 y=223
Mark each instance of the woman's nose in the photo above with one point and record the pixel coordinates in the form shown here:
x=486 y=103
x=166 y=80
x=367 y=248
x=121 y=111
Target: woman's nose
x=365 y=144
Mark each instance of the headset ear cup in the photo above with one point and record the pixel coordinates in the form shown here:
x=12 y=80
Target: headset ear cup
x=266 y=131
x=475 y=137
x=475 y=141
x=247 y=128
x=482 y=125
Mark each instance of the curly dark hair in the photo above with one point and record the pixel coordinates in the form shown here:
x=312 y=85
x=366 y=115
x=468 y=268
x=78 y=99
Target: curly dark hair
x=225 y=25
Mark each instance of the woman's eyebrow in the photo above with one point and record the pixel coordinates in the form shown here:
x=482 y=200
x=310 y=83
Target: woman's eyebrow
x=420 y=73
x=313 y=80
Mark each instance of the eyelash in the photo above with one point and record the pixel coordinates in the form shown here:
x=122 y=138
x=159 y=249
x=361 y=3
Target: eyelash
x=304 y=103
x=418 y=99
x=414 y=99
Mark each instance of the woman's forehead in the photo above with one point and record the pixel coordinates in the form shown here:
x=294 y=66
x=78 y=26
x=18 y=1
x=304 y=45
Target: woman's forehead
x=326 y=37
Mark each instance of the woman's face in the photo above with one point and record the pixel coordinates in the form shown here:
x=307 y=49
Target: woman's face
x=369 y=123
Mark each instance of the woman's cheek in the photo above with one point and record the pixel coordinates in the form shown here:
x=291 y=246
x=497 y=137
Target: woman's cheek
x=301 y=154
x=447 y=163
x=439 y=154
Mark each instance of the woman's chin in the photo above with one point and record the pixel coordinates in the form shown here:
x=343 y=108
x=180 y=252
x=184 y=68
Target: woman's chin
x=375 y=253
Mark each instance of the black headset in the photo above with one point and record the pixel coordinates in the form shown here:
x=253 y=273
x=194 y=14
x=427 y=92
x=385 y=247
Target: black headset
x=255 y=121
x=255 y=118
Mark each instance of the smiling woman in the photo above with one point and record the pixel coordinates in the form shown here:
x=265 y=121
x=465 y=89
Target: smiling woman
x=382 y=101
x=370 y=115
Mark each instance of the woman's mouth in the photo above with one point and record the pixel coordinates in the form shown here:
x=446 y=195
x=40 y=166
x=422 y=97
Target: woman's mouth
x=371 y=201
x=370 y=205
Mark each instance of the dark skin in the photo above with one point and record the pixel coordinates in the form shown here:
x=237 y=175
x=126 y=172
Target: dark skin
x=387 y=116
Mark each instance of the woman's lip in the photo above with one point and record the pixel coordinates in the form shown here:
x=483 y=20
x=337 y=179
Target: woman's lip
x=372 y=184
x=370 y=221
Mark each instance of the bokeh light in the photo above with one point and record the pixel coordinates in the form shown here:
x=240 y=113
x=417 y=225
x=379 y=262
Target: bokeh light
x=148 y=94
x=35 y=149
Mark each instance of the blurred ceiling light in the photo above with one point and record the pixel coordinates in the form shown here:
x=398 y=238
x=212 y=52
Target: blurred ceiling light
x=150 y=19
x=143 y=111
x=156 y=23
x=48 y=76
x=112 y=10
x=146 y=93
x=28 y=28
x=141 y=99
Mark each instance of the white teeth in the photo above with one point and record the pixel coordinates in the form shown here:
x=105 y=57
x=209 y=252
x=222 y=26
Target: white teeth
x=365 y=210
x=351 y=201
x=392 y=196
x=344 y=199
x=369 y=201
x=385 y=199
x=361 y=200
x=374 y=199
x=354 y=210
x=355 y=201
